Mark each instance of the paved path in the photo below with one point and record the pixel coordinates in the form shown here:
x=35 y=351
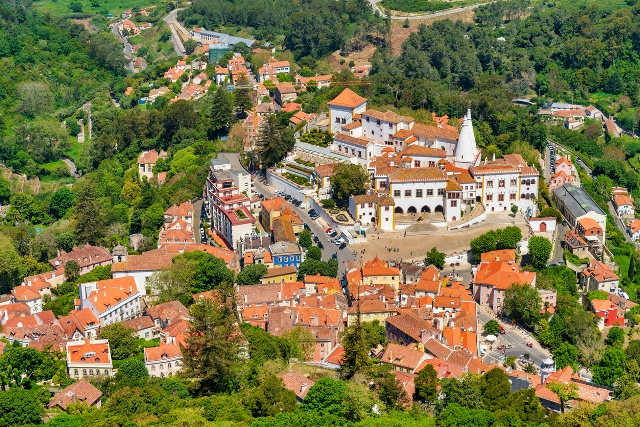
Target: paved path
x=580 y=162
x=128 y=49
x=172 y=21
x=317 y=227
x=197 y=209
x=374 y=6
x=619 y=223
x=72 y=167
x=516 y=337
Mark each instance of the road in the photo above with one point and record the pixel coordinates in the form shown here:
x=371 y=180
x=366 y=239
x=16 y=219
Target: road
x=329 y=248
x=374 y=6
x=197 y=210
x=172 y=21
x=619 y=223
x=579 y=162
x=558 y=251
x=514 y=337
x=128 y=49
x=72 y=167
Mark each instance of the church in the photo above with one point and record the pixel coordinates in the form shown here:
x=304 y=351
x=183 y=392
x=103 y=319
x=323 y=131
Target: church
x=424 y=168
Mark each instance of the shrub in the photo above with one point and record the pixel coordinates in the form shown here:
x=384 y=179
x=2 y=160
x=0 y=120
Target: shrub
x=328 y=203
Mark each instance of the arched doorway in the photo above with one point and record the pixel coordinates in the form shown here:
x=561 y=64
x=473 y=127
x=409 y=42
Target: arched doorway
x=439 y=209
x=399 y=210
x=543 y=227
x=412 y=210
x=425 y=209
x=453 y=218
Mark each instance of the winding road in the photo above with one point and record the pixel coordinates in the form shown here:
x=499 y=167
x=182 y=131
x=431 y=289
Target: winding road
x=374 y=5
x=172 y=21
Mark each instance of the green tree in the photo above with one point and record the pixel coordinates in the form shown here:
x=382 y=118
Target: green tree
x=495 y=388
x=189 y=46
x=326 y=396
x=349 y=180
x=10 y=265
x=18 y=407
x=271 y=398
x=565 y=392
x=152 y=219
x=374 y=334
x=566 y=355
x=539 y=250
x=426 y=385
x=251 y=274
x=218 y=110
x=632 y=352
x=131 y=192
x=61 y=201
x=509 y=237
x=71 y=270
x=610 y=367
x=242 y=95
x=551 y=212
x=514 y=209
x=492 y=327
x=356 y=354
x=274 y=141
x=88 y=222
x=632 y=261
x=615 y=337
x=225 y=408
x=213 y=343
x=122 y=340
x=485 y=242
x=210 y=272
x=315 y=253
x=304 y=239
x=435 y=258
x=523 y=303
x=132 y=369
x=458 y=416
x=464 y=392
x=5 y=190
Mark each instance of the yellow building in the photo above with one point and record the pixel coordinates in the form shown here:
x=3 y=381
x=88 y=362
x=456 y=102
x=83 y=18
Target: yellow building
x=378 y=272
x=370 y=310
x=279 y=275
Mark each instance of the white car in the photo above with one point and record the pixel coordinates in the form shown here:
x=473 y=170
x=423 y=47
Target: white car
x=338 y=240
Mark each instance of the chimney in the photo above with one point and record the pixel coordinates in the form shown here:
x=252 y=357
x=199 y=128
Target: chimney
x=303 y=388
x=245 y=298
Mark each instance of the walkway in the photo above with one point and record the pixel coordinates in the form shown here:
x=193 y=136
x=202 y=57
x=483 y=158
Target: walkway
x=172 y=21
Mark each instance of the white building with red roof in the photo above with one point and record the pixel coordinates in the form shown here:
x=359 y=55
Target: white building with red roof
x=28 y=295
x=146 y=162
x=87 y=258
x=163 y=361
x=624 y=206
x=633 y=228
x=598 y=276
x=89 y=358
x=113 y=300
x=344 y=107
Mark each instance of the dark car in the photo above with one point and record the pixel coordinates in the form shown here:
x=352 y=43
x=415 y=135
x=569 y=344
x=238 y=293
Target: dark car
x=320 y=245
x=306 y=226
x=315 y=239
x=334 y=255
x=342 y=246
x=312 y=212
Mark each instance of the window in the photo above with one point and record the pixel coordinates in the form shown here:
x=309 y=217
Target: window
x=106 y=372
x=337 y=119
x=90 y=371
x=360 y=154
x=407 y=193
x=75 y=372
x=153 y=367
x=533 y=181
x=489 y=197
x=454 y=203
x=514 y=182
x=501 y=183
x=489 y=184
x=372 y=133
x=416 y=164
x=432 y=164
x=386 y=220
x=386 y=208
x=378 y=122
x=169 y=365
x=362 y=206
x=97 y=371
x=512 y=197
x=440 y=191
x=162 y=366
x=84 y=372
x=390 y=126
x=501 y=197
x=339 y=147
x=367 y=119
x=418 y=193
x=370 y=205
x=429 y=192
x=396 y=193
x=344 y=121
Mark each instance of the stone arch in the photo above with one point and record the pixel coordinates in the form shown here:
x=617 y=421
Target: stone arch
x=439 y=209
x=412 y=210
x=425 y=209
x=398 y=210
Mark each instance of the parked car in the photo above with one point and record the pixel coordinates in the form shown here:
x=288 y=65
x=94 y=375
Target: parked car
x=320 y=246
x=303 y=206
x=315 y=216
x=312 y=212
x=334 y=255
x=338 y=241
x=329 y=231
x=316 y=239
x=306 y=226
x=342 y=246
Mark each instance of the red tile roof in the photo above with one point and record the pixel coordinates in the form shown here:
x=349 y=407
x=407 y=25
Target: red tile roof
x=82 y=391
x=297 y=383
x=89 y=351
x=348 y=99
x=166 y=351
x=406 y=357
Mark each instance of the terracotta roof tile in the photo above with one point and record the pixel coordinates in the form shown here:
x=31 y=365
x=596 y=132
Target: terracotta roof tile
x=430 y=133
x=419 y=151
x=410 y=324
x=166 y=351
x=361 y=141
x=139 y=323
x=89 y=351
x=416 y=174
x=348 y=99
x=169 y=312
x=387 y=116
x=297 y=383
x=403 y=356
x=82 y=391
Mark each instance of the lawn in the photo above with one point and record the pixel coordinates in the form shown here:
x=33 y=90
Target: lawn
x=74 y=152
x=623 y=263
x=115 y=7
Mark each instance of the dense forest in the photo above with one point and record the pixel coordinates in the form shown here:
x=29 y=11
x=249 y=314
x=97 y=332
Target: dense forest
x=313 y=28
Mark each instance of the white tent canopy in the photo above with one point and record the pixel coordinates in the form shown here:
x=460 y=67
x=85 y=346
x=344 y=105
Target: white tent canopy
x=491 y=338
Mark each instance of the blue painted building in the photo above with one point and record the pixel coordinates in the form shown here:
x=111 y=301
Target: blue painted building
x=286 y=254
